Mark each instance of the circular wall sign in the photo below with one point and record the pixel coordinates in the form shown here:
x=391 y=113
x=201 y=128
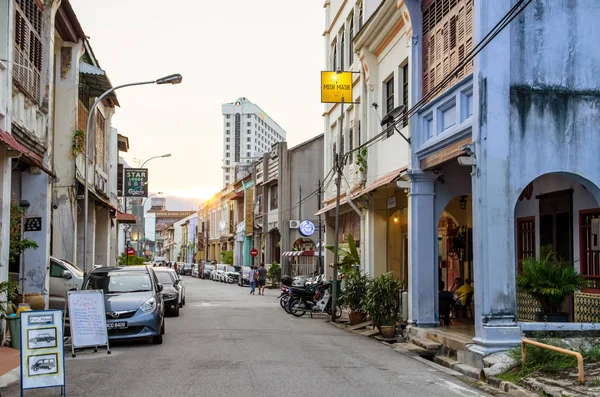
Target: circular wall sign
x=306 y=228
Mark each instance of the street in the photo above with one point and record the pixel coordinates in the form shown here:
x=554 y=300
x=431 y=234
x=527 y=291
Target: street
x=227 y=343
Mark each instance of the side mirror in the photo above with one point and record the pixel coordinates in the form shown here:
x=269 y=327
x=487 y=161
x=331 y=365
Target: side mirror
x=176 y=283
x=67 y=274
x=159 y=287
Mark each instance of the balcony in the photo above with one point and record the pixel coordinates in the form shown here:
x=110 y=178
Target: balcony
x=444 y=121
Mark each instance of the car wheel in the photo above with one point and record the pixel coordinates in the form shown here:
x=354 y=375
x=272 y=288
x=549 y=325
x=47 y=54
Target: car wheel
x=183 y=301
x=157 y=340
x=176 y=313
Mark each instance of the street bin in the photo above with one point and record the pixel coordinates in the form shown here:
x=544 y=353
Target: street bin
x=14 y=325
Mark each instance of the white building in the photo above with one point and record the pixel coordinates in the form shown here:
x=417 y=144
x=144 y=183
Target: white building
x=371 y=39
x=248 y=132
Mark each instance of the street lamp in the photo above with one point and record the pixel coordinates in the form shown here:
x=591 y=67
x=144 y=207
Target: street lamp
x=155 y=157
x=170 y=79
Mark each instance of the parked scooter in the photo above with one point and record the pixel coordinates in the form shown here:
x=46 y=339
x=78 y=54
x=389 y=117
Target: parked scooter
x=319 y=302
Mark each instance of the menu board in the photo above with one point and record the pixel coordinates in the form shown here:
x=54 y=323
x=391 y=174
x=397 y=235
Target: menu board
x=88 y=319
x=42 y=349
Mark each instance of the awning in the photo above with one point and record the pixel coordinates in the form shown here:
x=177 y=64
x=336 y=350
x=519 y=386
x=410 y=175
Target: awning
x=29 y=156
x=298 y=253
x=96 y=82
x=379 y=182
x=123 y=217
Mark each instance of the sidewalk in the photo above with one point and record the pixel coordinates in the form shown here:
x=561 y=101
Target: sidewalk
x=9 y=365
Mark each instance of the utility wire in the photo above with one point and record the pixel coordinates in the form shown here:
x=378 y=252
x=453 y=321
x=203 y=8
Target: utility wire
x=503 y=23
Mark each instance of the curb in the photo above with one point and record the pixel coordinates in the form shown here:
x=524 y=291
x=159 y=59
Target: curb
x=10 y=377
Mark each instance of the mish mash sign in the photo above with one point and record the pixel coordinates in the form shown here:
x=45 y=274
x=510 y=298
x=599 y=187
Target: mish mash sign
x=336 y=87
x=42 y=349
x=135 y=182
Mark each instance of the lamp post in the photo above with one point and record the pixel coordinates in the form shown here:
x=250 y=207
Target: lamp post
x=171 y=79
x=155 y=157
x=144 y=217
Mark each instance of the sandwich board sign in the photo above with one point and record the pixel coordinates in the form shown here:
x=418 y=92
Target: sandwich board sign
x=42 y=350
x=88 y=320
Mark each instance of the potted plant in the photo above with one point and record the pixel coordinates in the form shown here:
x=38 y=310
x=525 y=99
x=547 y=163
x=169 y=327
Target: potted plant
x=382 y=303
x=549 y=280
x=274 y=273
x=356 y=285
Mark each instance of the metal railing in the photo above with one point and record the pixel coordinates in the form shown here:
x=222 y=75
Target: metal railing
x=526 y=342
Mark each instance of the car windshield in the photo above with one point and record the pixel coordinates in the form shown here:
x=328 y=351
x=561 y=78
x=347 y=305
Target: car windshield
x=115 y=282
x=164 y=278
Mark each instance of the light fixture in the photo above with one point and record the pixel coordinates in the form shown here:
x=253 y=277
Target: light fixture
x=24 y=204
x=166 y=155
x=170 y=79
x=463 y=202
x=395 y=219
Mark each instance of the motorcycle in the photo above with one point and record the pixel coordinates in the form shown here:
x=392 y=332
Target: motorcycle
x=320 y=302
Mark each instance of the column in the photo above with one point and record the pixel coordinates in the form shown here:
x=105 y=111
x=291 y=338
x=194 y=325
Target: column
x=4 y=221
x=90 y=246
x=36 y=190
x=102 y=241
x=422 y=240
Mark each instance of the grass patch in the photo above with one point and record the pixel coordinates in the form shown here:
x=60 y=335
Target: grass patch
x=546 y=361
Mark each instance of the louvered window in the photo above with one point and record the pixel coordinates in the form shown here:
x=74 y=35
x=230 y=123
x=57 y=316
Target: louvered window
x=342 y=48
x=100 y=140
x=334 y=60
x=28 y=47
x=447 y=40
x=350 y=144
x=350 y=38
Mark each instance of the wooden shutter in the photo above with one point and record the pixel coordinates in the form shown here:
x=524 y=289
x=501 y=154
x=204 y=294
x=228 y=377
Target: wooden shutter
x=28 y=47
x=100 y=140
x=525 y=239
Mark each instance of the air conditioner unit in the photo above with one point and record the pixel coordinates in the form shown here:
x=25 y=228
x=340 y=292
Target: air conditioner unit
x=294 y=224
x=596 y=234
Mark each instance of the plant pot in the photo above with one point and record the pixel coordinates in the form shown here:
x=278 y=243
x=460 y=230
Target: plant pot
x=388 y=331
x=36 y=301
x=356 y=317
x=551 y=317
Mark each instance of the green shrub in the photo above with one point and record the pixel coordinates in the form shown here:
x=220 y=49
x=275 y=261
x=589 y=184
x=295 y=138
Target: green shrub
x=131 y=261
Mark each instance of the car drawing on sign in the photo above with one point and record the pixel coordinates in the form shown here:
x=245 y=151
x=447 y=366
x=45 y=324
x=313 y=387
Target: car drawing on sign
x=47 y=338
x=44 y=363
x=135 y=192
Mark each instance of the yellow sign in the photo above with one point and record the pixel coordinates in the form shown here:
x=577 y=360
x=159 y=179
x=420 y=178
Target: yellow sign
x=336 y=86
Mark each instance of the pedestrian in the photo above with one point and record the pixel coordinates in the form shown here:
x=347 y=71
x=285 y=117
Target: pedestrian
x=262 y=278
x=252 y=280
x=175 y=267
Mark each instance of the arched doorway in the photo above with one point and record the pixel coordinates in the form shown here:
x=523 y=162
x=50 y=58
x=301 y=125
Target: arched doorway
x=558 y=210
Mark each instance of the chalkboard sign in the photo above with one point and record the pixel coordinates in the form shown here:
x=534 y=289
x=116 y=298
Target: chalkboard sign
x=88 y=319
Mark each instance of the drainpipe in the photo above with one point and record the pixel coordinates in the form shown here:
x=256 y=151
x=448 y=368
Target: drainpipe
x=362 y=228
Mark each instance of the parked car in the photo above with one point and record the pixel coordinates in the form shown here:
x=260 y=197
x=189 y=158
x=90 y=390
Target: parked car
x=180 y=286
x=245 y=276
x=207 y=270
x=195 y=270
x=215 y=274
x=45 y=337
x=230 y=275
x=300 y=281
x=186 y=270
x=170 y=293
x=133 y=301
x=63 y=277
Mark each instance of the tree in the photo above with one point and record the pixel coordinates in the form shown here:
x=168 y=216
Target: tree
x=227 y=257
x=274 y=272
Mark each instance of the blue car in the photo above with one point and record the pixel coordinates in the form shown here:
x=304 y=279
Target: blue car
x=133 y=301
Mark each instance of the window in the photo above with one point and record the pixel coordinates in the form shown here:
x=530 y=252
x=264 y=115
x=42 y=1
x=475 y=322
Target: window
x=226 y=139
x=227 y=178
x=334 y=59
x=248 y=116
x=342 y=47
x=447 y=35
x=389 y=95
x=28 y=47
x=227 y=147
x=227 y=132
x=248 y=154
x=274 y=197
x=227 y=162
x=405 y=93
x=350 y=144
x=227 y=124
x=56 y=270
x=226 y=154
x=237 y=139
x=249 y=124
x=248 y=139
x=227 y=116
x=249 y=131
x=360 y=16
x=350 y=37
x=100 y=139
x=248 y=147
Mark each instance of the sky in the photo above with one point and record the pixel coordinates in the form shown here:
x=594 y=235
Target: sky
x=269 y=51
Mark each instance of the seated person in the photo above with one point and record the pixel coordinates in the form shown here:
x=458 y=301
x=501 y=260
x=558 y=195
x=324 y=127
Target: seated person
x=461 y=293
x=457 y=284
x=446 y=301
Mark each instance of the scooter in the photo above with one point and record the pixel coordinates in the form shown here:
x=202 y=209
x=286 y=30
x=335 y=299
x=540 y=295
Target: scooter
x=320 y=302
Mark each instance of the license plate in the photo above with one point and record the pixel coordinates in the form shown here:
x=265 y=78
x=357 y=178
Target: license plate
x=117 y=325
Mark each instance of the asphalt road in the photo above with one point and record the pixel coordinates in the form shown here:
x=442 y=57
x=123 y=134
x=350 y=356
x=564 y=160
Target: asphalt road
x=229 y=343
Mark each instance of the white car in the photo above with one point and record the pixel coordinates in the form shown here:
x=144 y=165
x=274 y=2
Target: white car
x=63 y=277
x=215 y=274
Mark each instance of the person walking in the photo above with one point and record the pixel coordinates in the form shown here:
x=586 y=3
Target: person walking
x=252 y=276
x=262 y=278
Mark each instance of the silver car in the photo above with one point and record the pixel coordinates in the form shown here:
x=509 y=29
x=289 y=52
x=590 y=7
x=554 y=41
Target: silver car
x=133 y=301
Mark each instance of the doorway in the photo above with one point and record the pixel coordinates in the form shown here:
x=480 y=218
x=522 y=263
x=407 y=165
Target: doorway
x=556 y=225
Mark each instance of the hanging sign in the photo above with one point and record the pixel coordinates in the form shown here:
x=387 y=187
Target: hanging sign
x=336 y=87
x=136 y=182
x=42 y=349
x=306 y=228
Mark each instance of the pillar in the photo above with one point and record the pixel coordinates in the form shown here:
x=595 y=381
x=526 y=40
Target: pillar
x=5 y=173
x=35 y=188
x=102 y=240
x=422 y=240
x=90 y=246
